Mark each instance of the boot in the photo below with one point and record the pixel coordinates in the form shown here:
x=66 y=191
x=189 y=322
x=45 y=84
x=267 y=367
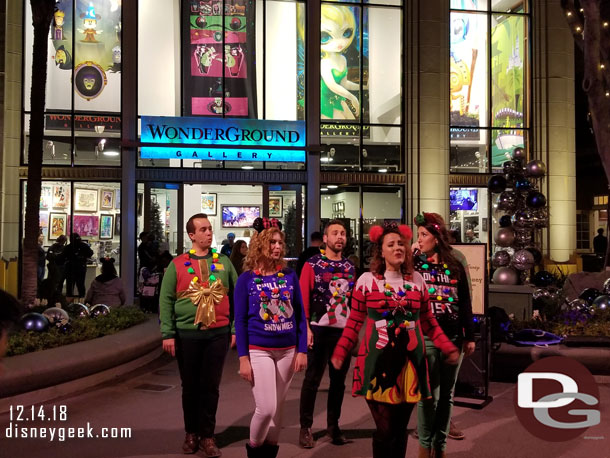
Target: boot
x=438 y=453
x=382 y=449
x=424 y=452
x=270 y=451
x=255 y=452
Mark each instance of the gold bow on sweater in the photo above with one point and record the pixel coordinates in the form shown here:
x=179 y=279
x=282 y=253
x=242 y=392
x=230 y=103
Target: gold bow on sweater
x=205 y=299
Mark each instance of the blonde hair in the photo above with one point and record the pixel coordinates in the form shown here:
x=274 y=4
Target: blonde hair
x=340 y=15
x=259 y=251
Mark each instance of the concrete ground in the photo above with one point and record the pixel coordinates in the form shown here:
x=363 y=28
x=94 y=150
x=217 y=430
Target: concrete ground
x=148 y=402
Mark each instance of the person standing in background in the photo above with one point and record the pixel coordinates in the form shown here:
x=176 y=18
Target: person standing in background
x=316 y=241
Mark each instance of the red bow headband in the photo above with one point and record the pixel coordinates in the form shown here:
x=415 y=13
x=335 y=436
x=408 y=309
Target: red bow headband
x=376 y=232
x=260 y=224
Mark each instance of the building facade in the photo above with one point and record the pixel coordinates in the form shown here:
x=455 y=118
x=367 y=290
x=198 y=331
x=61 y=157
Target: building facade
x=407 y=106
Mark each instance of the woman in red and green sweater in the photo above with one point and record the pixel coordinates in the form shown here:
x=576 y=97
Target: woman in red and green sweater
x=449 y=292
x=391 y=371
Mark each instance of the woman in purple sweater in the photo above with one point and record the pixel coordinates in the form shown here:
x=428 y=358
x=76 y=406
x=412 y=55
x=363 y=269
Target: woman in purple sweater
x=271 y=334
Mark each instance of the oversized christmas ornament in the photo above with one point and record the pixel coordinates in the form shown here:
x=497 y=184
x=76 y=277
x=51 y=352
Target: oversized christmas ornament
x=497 y=183
x=523 y=260
x=99 y=310
x=519 y=153
x=505 y=236
x=543 y=279
x=536 y=254
x=78 y=310
x=522 y=219
x=535 y=169
x=500 y=258
x=507 y=201
x=505 y=221
x=601 y=302
x=589 y=295
x=34 y=322
x=56 y=316
x=505 y=276
x=535 y=199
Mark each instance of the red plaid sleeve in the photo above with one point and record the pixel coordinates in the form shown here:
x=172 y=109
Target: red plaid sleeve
x=349 y=338
x=431 y=327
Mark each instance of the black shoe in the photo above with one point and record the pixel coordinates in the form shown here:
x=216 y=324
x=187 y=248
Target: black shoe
x=336 y=436
x=306 y=438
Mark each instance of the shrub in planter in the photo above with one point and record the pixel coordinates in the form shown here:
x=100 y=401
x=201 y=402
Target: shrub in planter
x=81 y=329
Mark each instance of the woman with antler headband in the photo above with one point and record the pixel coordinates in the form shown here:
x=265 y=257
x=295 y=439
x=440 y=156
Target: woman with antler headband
x=391 y=371
x=271 y=333
x=450 y=302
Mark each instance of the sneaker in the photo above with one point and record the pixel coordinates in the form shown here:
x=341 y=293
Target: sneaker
x=209 y=447
x=306 y=438
x=191 y=443
x=455 y=433
x=336 y=436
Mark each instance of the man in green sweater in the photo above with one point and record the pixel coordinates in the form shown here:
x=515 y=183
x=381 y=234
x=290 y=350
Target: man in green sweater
x=195 y=311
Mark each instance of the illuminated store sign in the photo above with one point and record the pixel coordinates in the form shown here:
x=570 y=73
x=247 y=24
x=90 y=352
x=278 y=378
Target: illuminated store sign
x=221 y=154
x=222 y=132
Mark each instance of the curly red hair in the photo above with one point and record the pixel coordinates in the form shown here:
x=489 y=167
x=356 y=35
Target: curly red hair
x=259 y=251
x=377 y=236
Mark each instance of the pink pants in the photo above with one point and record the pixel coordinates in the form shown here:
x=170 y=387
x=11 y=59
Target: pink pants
x=273 y=371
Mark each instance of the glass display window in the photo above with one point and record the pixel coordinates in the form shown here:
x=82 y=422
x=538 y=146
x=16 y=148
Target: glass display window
x=469 y=215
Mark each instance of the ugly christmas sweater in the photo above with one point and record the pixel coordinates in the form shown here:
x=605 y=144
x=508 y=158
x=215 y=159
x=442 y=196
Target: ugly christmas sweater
x=449 y=297
x=391 y=366
x=177 y=314
x=269 y=312
x=326 y=286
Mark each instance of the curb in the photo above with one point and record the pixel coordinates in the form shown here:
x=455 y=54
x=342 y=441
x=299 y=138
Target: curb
x=58 y=371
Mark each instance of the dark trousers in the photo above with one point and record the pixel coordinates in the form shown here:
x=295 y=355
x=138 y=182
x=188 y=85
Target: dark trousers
x=200 y=362
x=391 y=420
x=76 y=275
x=324 y=342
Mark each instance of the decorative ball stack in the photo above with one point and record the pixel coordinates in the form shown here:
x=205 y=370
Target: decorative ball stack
x=522 y=213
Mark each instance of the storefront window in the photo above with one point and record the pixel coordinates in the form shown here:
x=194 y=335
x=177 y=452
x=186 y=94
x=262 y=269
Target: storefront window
x=89 y=209
x=360 y=85
x=83 y=92
x=489 y=71
x=469 y=215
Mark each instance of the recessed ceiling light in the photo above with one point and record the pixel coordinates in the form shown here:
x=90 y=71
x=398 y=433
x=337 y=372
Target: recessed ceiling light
x=332 y=186
x=326 y=159
x=323 y=189
x=247 y=167
x=383 y=170
x=111 y=153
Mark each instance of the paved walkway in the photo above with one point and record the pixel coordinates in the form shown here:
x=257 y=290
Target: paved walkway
x=148 y=402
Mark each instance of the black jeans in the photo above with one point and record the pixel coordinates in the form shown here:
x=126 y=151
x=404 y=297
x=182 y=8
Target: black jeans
x=324 y=342
x=76 y=275
x=200 y=362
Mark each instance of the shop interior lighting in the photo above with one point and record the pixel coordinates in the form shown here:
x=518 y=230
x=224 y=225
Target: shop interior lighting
x=111 y=153
x=247 y=167
x=323 y=189
x=326 y=159
x=332 y=186
x=383 y=170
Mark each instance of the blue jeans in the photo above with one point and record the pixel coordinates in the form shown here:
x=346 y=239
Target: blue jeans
x=434 y=415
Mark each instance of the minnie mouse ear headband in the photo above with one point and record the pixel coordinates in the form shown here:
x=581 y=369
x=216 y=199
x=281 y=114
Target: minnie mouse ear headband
x=260 y=224
x=377 y=232
x=428 y=221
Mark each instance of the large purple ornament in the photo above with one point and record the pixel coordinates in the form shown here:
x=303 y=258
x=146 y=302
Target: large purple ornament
x=601 y=302
x=519 y=153
x=34 y=322
x=536 y=254
x=535 y=169
x=522 y=219
x=507 y=201
x=535 y=199
x=505 y=236
x=543 y=279
x=78 y=310
x=505 y=276
x=99 y=310
x=505 y=221
x=523 y=260
x=589 y=295
x=56 y=316
x=500 y=258
x=497 y=183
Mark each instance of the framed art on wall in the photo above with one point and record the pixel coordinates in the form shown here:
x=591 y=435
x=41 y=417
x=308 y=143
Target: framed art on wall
x=57 y=225
x=276 y=206
x=86 y=225
x=45 y=197
x=106 y=226
x=106 y=199
x=61 y=196
x=85 y=200
x=208 y=204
